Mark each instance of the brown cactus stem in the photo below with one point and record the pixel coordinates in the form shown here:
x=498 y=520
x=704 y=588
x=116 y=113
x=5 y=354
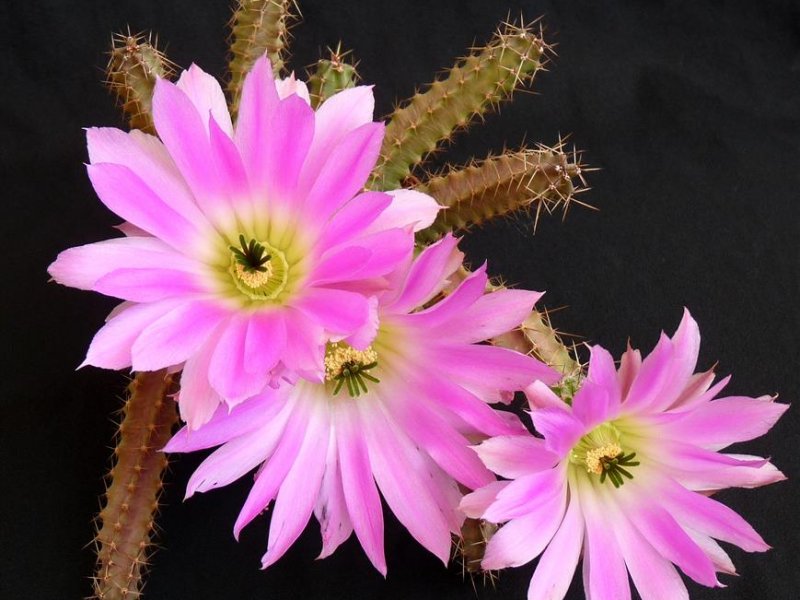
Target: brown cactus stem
x=134 y=65
x=476 y=84
x=537 y=180
x=258 y=27
x=125 y=524
x=537 y=337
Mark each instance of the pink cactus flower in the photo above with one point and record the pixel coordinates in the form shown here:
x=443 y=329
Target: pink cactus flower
x=623 y=477
x=397 y=415
x=247 y=248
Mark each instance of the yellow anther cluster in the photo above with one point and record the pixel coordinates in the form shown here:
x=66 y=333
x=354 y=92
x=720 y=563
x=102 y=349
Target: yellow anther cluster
x=339 y=354
x=253 y=279
x=594 y=462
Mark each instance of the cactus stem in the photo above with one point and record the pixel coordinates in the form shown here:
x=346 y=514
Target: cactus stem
x=331 y=75
x=134 y=65
x=126 y=522
x=259 y=27
x=477 y=83
x=542 y=179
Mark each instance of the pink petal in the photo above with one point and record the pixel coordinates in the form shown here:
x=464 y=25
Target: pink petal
x=360 y=493
x=653 y=575
x=522 y=539
x=540 y=395
x=331 y=508
x=148 y=284
x=669 y=539
x=234 y=185
x=227 y=370
x=561 y=430
x=713 y=550
x=305 y=345
x=237 y=457
x=513 y=456
x=82 y=266
x=127 y=195
x=291 y=85
x=258 y=103
x=707 y=516
x=402 y=476
x=475 y=504
x=557 y=565
x=652 y=378
x=353 y=218
x=266 y=340
x=148 y=159
x=599 y=398
x=290 y=131
x=345 y=171
x=206 y=94
x=448 y=448
x=338 y=311
x=492 y=366
x=468 y=407
x=111 y=346
x=270 y=477
x=197 y=400
x=629 y=367
x=184 y=132
x=697 y=390
x=227 y=424
x=176 y=336
x=338 y=116
x=525 y=494
x=726 y=421
x=428 y=274
x=442 y=312
x=299 y=490
x=409 y=209
x=491 y=315
x=604 y=574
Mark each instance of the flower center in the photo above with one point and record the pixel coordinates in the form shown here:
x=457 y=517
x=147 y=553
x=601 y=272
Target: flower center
x=259 y=270
x=600 y=453
x=344 y=365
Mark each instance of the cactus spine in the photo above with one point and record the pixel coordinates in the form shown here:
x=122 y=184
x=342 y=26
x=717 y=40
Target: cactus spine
x=126 y=521
x=258 y=27
x=133 y=66
x=544 y=178
x=331 y=75
x=468 y=90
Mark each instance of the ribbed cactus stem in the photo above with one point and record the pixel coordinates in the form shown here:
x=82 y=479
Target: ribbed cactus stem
x=134 y=65
x=538 y=337
x=331 y=75
x=542 y=180
x=258 y=27
x=469 y=89
x=126 y=521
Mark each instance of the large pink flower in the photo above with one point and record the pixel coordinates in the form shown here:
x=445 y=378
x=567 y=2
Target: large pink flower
x=399 y=413
x=247 y=247
x=624 y=475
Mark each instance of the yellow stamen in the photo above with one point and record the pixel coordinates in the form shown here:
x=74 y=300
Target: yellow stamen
x=253 y=279
x=340 y=355
x=595 y=456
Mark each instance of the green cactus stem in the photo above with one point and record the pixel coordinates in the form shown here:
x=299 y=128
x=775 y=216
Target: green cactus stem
x=331 y=75
x=258 y=27
x=474 y=85
x=134 y=65
x=543 y=179
x=538 y=337
x=126 y=522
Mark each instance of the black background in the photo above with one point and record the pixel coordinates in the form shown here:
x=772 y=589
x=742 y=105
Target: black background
x=692 y=109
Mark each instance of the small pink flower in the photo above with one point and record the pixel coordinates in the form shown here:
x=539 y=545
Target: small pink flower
x=623 y=477
x=400 y=413
x=247 y=247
